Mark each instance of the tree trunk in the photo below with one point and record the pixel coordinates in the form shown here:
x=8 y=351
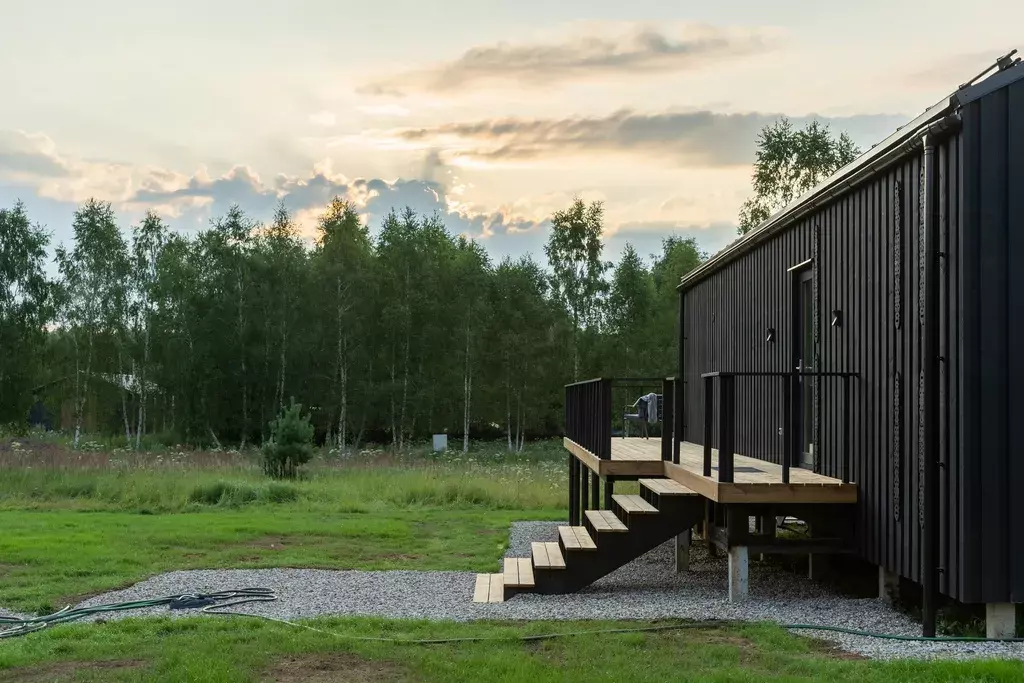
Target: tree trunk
x=467 y=393
x=242 y=354
x=394 y=426
x=508 y=402
x=280 y=386
x=121 y=381
x=140 y=425
x=342 y=369
x=405 y=393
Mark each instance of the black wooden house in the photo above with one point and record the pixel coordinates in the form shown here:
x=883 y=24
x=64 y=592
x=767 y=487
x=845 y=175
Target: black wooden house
x=907 y=269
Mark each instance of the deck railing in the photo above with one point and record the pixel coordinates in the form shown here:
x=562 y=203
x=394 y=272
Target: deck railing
x=588 y=412
x=727 y=419
x=589 y=416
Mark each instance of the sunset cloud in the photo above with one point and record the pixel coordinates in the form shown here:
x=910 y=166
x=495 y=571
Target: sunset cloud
x=696 y=138
x=635 y=51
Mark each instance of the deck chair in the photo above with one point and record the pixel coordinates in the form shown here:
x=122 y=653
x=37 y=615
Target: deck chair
x=640 y=416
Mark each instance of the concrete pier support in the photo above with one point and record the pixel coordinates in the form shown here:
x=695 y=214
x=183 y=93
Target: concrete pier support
x=739 y=577
x=888 y=585
x=683 y=551
x=1000 y=620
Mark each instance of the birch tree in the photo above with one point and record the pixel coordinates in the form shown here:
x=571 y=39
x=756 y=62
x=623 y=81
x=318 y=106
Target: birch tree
x=26 y=305
x=574 y=253
x=93 y=278
x=342 y=259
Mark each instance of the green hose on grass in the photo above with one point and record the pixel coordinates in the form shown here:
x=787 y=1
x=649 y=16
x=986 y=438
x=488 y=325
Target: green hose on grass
x=215 y=603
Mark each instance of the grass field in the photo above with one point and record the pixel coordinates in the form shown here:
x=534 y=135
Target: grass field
x=79 y=523
x=228 y=649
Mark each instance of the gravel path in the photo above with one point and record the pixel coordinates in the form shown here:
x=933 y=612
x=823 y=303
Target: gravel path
x=647 y=588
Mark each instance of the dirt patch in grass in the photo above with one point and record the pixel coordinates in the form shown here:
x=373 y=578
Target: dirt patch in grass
x=270 y=542
x=58 y=672
x=829 y=649
x=332 y=667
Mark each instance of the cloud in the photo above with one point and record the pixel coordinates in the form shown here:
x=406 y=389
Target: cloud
x=694 y=138
x=637 y=50
x=323 y=118
x=32 y=160
x=384 y=110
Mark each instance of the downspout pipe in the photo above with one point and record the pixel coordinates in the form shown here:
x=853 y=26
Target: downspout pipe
x=929 y=465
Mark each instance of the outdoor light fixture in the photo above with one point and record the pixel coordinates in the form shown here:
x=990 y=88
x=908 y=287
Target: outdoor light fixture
x=837 y=318
x=770 y=335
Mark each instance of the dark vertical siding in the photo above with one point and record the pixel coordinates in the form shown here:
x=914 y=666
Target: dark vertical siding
x=991 y=468
x=728 y=312
x=1015 y=309
x=968 y=472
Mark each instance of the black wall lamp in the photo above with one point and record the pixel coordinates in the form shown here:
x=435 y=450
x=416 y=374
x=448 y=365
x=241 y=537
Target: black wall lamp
x=837 y=318
x=770 y=335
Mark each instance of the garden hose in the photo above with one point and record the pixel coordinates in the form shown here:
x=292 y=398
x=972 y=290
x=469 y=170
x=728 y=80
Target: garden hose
x=217 y=602
x=19 y=626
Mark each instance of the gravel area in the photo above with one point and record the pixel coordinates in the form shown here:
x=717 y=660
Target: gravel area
x=647 y=588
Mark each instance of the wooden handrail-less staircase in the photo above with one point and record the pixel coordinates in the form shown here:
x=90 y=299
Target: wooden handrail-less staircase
x=607 y=540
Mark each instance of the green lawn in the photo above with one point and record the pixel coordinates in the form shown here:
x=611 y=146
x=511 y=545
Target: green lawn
x=78 y=524
x=50 y=559
x=237 y=649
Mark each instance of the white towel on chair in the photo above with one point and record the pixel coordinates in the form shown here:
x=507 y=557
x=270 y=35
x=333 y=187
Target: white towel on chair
x=652 y=407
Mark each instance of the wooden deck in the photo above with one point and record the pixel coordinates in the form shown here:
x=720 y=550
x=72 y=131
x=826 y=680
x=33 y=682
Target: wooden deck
x=756 y=481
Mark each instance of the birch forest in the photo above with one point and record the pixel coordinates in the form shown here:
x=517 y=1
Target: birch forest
x=384 y=335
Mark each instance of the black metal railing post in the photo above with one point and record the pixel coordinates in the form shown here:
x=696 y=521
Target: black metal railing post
x=668 y=426
x=846 y=429
x=678 y=403
x=709 y=421
x=787 y=426
x=604 y=419
x=573 y=498
x=726 y=427
x=584 y=490
x=595 y=491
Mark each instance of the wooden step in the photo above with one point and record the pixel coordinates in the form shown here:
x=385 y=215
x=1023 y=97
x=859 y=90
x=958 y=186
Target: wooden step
x=667 y=487
x=547 y=556
x=489 y=588
x=606 y=520
x=576 y=538
x=518 y=572
x=634 y=504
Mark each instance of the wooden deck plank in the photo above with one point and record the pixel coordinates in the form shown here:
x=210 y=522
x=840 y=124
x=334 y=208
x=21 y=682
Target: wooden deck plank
x=602 y=522
x=568 y=536
x=667 y=487
x=755 y=481
x=525 y=573
x=555 y=559
x=634 y=504
x=483 y=587
x=539 y=551
x=511 y=576
x=497 y=589
x=583 y=538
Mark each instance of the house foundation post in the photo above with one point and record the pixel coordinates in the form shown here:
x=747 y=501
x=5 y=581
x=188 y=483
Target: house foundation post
x=888 y=585
x=739 y=577
x=1000 y=620
x=683 y=551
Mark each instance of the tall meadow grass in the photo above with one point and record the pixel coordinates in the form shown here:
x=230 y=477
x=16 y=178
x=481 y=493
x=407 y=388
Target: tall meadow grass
x=46 y=474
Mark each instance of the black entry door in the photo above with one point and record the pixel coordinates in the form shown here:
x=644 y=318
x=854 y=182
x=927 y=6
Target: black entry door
x=804 y=362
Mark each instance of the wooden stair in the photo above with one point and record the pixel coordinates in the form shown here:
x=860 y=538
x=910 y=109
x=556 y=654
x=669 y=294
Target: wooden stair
x=607 y=540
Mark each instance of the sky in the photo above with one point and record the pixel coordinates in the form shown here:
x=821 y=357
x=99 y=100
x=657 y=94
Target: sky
x=494 y=114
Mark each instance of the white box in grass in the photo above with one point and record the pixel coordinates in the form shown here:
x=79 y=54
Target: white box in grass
x=440 y=442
